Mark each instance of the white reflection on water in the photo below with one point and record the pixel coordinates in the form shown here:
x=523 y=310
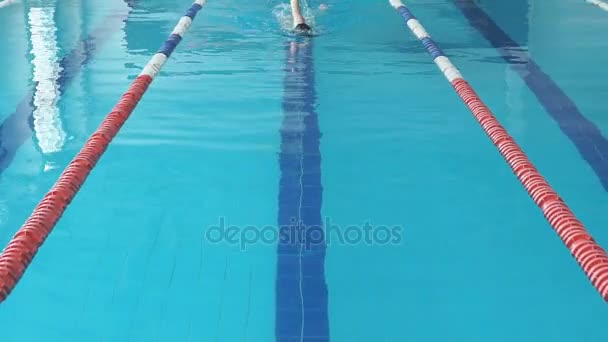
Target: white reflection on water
x=47 y=122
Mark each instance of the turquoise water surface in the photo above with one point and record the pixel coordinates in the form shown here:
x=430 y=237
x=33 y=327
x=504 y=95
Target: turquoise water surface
x=247 y=123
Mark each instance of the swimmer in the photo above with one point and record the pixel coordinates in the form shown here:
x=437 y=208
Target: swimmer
x=298 y=19
x=300 y=25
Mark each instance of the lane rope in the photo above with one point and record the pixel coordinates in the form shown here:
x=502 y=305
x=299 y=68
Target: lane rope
x=601 y=4
x=7 y=2
x=584 y=134
x=589 y=255
x=22 y=248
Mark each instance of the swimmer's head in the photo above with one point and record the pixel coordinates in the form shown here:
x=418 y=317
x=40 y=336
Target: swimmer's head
x=323 y=7
x=302 y=30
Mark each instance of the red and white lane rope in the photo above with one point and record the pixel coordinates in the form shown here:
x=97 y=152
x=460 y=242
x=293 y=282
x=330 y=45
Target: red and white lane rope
x=589 y=255
x=20 y=251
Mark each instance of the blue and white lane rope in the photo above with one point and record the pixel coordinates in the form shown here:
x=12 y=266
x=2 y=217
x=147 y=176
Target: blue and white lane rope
x=163 y=54
x=447 y=68
x=592 y=259
x=22 y=248
x=601 y=4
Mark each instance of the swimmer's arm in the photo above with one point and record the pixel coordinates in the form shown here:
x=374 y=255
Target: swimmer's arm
x=297 y=15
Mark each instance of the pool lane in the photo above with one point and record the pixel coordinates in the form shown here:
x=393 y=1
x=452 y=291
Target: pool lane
x=154 y=276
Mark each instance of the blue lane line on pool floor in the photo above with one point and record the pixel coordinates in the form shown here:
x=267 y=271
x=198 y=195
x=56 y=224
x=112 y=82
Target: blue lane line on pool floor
x=301 y=290
x=585 y=135
x=18 y=126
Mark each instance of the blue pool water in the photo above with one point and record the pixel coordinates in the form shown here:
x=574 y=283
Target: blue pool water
x=248 y=126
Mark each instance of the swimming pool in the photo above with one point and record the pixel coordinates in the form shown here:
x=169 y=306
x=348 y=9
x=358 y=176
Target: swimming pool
x=355 y=130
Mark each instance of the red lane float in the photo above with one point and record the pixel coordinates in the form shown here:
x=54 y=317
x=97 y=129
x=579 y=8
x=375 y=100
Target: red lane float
x=20 y=251
x=589 y=255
